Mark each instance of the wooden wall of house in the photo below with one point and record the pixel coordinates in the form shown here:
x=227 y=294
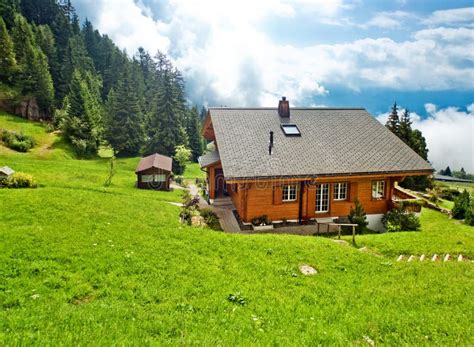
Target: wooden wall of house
x=252 y=199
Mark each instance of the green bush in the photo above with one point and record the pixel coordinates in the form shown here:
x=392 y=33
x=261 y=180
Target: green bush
x=469 y=217
x=200 y=181
x=17 y=141
x=210 y=218
x=357 y=216
x=449 y=194
x=462 y=204
x=400 y=220
x=261 y=220
x=20 y=180
x=178 y=179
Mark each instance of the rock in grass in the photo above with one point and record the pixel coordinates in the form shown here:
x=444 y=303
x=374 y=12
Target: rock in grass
x=400 y=257
x=434 y=257
x=422 y=257
x=447 y=257
x=308 y=270
x=369 y=341
x=460 y=258
x=411 y=258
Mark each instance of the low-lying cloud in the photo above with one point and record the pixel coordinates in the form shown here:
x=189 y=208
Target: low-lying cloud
x=449 y=135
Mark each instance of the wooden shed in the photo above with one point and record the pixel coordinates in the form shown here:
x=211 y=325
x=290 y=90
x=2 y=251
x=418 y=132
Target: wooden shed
x=154 y=172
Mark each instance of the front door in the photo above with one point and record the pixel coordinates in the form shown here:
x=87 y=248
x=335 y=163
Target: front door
x=220 y=183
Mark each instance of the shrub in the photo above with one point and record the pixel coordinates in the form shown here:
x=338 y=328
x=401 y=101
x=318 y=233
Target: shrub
x=462 y=204
x=449 y=194
x=178 y=180
x=400 y=220
x=17 y=141
x=210 y=218
x=261 y=220
x=357 y=216
x=200 y=181
x=20 y=180
x=469 y=217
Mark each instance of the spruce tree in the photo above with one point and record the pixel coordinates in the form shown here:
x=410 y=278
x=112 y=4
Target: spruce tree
x=7 y=55
x=81 y=125
x=193 y=129
x=125 y=129
x=33 y=77
x=418 y=144
x=404 y=129
x=393 y=121
x=447 y=171
x=8 y=11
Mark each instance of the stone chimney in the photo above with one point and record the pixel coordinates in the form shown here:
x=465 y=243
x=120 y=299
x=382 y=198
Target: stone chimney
x=284 y=108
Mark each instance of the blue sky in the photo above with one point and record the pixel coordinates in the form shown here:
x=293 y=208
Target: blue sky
x=316 y=52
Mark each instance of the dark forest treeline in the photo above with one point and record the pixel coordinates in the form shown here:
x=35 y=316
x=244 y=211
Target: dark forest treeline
x=401 y=126
x=91 y=89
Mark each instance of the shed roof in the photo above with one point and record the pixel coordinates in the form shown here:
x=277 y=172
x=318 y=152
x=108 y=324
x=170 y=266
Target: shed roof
x=155 y=161
x=6 y=170
x=333 y=141
x=209 y=158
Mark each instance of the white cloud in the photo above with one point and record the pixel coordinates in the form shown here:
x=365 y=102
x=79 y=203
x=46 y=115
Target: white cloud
x=389 y=20
x=449 y=135
x=128 y=24
x=452 y=16
x=227 y=57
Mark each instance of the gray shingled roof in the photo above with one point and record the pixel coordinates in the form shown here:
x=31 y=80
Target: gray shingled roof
x=209 y=158
x=333 y=141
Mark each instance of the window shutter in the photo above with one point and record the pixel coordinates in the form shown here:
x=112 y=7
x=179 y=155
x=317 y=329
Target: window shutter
x=277 y=195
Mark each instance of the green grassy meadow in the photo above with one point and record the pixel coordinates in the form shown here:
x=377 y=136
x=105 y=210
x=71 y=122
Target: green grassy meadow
x=81 y=264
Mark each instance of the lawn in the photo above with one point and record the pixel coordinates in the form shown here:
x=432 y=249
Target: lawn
x=193 y=171
x=457 y=185
x=81 y=264
x=438 y=235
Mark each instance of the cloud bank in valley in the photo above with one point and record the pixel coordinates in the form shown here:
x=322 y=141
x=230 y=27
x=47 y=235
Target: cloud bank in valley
x=448 y=134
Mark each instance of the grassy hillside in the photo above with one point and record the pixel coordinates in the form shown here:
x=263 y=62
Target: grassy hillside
x=84 y=264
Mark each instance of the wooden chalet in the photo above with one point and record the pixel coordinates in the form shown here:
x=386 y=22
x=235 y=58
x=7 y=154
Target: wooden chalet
x=305 y=163
x=154 y=172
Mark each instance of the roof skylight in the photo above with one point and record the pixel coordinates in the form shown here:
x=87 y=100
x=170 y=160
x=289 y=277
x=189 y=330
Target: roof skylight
x=290 y=130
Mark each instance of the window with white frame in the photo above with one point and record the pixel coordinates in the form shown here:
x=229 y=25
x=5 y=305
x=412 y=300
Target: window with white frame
x=322 y=197
x=378 y=189
x=153 y=178
x=160 y=178
x=289 y=192
x=340 y=191
x=147 y=178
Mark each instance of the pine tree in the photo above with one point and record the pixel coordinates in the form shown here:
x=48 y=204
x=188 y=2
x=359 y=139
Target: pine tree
x=447 y=171
x=124 y=130
x=203 y=113
x=418 y=144
x=463 y=173
x=34 y=77
x=82 y=125
x=7 y=55
x=193 y=129
x=404 y=129
x=75 y=57
x=393 y=121
x=8 y=11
